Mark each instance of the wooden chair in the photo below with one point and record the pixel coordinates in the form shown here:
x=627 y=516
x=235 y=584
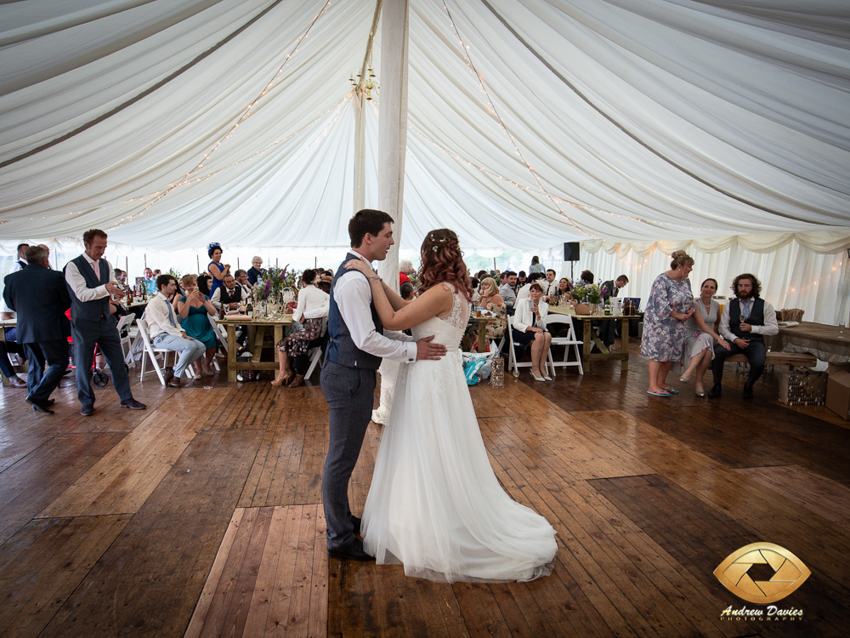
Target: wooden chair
x=569 y=340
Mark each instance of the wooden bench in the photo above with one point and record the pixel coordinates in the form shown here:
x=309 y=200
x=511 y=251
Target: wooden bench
x=792 y=359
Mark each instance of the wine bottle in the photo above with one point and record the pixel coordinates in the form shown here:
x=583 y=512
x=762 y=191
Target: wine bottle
x=250 y=309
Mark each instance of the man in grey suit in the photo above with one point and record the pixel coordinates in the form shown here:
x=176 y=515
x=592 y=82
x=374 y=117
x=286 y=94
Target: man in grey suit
x=91 y=282
x=40 y=297
x=357 y=345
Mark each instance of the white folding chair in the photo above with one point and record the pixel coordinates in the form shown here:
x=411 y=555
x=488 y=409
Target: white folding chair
x=220 y=331
x=126 y=342
x=153 y=352
x=512 y=362
x=569 y=340
x=315 y=360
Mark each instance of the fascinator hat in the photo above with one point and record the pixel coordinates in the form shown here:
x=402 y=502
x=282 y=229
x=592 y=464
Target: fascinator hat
x=211 y=248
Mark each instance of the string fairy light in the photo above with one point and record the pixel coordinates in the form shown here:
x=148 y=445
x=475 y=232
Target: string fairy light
x=247 y=112
x=556 y=200
x=338 y=107
x=492 y=108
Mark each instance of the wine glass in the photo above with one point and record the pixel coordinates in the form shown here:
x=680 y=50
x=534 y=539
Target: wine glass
x=841 y=326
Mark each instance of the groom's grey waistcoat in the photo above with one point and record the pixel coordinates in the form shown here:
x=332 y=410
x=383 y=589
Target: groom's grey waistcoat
x=341 y=348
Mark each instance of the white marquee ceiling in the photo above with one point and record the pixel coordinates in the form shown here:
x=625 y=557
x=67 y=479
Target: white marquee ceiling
x=625 y=120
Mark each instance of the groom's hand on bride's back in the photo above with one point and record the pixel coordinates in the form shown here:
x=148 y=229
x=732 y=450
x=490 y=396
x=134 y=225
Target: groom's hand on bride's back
x=427 y=350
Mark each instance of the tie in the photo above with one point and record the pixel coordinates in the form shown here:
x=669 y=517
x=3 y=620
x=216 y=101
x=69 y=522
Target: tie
x=170 y=314
x=96 y=268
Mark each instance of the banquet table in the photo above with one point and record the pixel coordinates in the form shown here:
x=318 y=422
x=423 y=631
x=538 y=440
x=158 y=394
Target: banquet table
x=589 y=338
x=260 y=326
x=819 y=339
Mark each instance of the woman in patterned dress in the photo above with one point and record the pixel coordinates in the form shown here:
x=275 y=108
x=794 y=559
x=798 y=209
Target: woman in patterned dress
x=670 y=306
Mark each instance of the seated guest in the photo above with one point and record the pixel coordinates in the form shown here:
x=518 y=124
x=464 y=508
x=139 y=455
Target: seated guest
x=586 y=277
x=40 y=298
x=611 y=288
x=203 y=284
x=473 y=281
x=325 y=281
x=564 y=287
x=313 y=306
x=229 y=295
x=194 y=309
x=405 y=291
x=167 y=334
x=156 y=273
x=550 y=286
x=506 y=290
x=8 y=370
x=256 y=270
x=241 y=277
x=149 y=282
x=522 y=293
x=529 y=328
x=521 y=279
x=490 y=300
x=700 y=338
x=744 y=322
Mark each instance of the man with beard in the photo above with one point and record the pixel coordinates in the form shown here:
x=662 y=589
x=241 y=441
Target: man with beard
x=744 y=322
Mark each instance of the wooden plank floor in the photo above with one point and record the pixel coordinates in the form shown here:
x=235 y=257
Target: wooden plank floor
x=202 y=515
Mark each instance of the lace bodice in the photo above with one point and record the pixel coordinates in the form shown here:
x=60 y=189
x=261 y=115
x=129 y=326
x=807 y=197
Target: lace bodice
x=447 y=330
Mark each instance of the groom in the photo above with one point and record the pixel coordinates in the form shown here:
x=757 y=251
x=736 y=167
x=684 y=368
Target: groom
x=357 y=345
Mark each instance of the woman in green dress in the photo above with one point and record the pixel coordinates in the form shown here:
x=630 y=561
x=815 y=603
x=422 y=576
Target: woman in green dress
x=194 y=309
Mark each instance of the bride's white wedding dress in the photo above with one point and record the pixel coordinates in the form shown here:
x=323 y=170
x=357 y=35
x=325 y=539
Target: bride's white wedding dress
x=435 y=504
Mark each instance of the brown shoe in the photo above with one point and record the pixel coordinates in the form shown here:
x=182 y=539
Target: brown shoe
x=173 y=382
x=17 y=382
x=297 y=380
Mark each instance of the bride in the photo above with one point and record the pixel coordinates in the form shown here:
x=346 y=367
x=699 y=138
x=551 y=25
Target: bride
x=435 y=504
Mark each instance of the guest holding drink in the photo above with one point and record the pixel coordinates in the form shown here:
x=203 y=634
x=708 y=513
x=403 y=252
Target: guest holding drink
x=529 y=328
x=194 y=307
x=216 y=269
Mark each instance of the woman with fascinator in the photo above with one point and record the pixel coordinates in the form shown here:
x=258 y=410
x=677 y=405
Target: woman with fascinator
x=215 y=268
x=435 y=504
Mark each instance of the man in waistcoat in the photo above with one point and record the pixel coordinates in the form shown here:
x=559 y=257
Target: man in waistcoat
x=40 y=297
x=91 y=281
x=744 y=323
x=229 y=294
x=357 y=343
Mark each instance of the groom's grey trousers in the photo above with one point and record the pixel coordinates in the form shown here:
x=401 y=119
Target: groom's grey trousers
x=349 y=393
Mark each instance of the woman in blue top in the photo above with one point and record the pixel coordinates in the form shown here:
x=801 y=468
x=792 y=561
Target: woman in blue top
x=215 y=268
x=194 y=309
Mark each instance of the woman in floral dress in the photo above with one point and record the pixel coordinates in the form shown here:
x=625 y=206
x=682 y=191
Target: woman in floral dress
x=670 y=306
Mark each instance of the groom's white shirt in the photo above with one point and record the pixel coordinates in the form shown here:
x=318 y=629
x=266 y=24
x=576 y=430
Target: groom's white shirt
x=353 y=296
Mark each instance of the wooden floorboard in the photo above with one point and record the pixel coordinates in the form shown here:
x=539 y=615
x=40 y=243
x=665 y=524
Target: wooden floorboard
x=202 y=516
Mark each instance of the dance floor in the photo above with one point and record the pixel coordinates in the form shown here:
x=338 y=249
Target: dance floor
x=202 y=515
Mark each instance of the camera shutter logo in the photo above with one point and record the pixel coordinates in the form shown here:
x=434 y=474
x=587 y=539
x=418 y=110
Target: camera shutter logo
x=789 y=573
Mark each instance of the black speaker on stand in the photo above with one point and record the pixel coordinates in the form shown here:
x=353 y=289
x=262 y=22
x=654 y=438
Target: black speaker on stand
x=572 y=253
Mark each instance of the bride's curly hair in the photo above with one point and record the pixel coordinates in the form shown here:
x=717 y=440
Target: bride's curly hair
x=442 y=261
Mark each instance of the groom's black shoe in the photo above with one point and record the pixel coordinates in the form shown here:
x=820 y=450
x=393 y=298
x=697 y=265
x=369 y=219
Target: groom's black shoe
x=355 y=522
x=352 y=551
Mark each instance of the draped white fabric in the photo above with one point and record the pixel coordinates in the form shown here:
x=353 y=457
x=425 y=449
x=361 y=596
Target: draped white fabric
x=173 y=123
x=650 y=120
